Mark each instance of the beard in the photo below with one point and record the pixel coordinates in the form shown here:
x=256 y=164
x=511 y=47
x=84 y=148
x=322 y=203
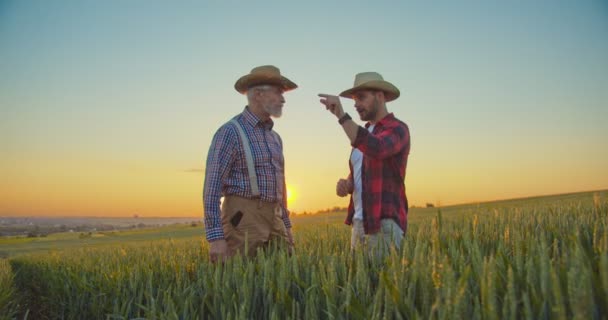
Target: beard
x=371 y=114
x=274 y=111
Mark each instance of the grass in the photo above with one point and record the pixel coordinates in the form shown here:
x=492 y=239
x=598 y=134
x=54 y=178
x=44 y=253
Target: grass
x=12 y=246
x=530 y=259
x=8 y=300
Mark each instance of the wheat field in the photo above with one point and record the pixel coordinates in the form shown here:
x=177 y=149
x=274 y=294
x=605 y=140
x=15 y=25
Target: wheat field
x=543 y=258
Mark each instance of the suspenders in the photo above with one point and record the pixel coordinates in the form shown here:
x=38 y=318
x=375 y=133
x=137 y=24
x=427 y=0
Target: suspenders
x=249 y=157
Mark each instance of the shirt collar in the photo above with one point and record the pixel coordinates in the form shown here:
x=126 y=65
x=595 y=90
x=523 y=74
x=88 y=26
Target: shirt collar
x=252 y=120
x=388 y=118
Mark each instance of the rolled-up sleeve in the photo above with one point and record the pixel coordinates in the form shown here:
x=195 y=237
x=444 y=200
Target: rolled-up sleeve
x=285 y=217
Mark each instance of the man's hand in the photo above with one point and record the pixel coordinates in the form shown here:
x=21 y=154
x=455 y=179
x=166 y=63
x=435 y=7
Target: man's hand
x=332 y=103
x=290 y=237
x=291 y=242
x=218 y=251
x=344 y=187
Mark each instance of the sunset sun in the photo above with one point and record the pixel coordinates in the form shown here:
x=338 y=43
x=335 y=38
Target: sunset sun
x=291 y=195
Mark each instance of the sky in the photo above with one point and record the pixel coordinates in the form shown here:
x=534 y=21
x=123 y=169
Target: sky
x=108 y=108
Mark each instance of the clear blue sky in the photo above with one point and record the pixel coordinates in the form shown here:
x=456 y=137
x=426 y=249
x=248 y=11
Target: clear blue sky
x=108 y=107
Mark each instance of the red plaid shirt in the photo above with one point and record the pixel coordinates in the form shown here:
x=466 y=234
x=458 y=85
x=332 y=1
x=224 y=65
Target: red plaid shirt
x=385 y=152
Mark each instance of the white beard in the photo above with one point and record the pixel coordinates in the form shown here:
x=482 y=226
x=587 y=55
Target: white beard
x=274 y=111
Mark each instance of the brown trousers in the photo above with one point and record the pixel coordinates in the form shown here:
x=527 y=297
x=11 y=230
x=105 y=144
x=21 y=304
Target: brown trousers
x=257 y=225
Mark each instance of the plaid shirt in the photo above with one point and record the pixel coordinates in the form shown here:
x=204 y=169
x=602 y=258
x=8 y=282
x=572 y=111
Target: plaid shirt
x=226 y=171
x=385 y=152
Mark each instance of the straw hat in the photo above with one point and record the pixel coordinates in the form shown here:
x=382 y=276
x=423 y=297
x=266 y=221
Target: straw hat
x=264 y=75
x=372 y=81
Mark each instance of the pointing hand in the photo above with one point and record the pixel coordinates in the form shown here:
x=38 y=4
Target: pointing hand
x=332 y=103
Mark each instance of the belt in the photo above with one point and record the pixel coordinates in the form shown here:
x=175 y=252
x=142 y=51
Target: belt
x=259 y=200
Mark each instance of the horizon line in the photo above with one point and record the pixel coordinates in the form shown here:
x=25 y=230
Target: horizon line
x=312 y=212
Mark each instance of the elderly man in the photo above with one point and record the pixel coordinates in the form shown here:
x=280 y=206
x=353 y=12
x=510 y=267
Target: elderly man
x=378 y=205
x=245 y=165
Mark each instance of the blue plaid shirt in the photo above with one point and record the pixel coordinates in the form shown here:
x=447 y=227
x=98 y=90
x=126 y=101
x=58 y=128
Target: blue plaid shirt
x=226 y=171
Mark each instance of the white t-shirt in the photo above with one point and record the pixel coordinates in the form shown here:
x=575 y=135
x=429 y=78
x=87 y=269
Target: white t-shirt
x=356 y=160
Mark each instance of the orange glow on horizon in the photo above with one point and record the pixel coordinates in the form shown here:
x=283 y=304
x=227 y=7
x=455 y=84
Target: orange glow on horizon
x=290 y=195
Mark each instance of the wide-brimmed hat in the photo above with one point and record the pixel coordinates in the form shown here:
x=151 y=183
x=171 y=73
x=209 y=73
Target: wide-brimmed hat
x=264 y=75
x=372 y=81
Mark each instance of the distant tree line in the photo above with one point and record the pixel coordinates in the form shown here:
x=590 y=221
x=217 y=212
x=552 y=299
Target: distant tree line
x=36 y=231
x=328 y=210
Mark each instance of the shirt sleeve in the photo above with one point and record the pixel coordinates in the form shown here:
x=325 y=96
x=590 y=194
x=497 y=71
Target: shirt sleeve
x=385 y=144
x=219 y=160
x=286 y=212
